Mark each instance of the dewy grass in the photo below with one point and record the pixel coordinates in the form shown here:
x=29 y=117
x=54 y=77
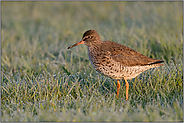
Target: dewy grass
x=43 y=81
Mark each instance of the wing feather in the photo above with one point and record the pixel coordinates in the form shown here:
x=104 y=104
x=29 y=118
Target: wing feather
x=128 y=56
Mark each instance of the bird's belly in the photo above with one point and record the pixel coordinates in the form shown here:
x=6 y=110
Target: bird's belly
x=111 y=69
x=118 y=71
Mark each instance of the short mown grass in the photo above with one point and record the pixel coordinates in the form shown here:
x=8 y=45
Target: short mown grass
x=41 y=80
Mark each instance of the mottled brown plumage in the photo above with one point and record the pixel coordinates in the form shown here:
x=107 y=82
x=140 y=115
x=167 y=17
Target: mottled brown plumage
x=115 y=60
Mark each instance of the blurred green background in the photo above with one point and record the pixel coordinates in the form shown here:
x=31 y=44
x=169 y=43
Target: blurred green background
x=41 y=80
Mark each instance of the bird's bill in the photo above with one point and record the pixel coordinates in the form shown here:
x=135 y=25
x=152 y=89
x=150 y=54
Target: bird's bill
x=80 y=42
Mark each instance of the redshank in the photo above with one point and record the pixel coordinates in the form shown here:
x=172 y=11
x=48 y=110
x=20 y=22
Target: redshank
x=115 y=60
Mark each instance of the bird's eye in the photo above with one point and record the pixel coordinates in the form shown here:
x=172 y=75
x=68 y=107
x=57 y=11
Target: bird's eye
x=86 y=38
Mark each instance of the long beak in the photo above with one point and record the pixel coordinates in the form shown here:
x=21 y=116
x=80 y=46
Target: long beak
x=80 y=42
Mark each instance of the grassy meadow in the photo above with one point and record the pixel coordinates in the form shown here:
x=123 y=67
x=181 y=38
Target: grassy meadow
x=41 y=80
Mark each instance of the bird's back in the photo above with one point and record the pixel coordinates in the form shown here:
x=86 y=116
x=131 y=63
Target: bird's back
x=127 y=56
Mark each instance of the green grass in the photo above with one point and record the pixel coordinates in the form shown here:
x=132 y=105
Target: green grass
x=41 y=80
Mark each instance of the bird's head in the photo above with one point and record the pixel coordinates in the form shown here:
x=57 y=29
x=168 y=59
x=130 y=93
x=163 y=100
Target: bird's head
x=89 y=38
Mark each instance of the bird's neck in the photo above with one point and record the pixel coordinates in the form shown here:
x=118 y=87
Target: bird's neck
x=93 y=49
x=95 y=44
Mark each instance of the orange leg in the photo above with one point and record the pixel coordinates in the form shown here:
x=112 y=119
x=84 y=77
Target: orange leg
x=127 y=87
x=118 y=87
